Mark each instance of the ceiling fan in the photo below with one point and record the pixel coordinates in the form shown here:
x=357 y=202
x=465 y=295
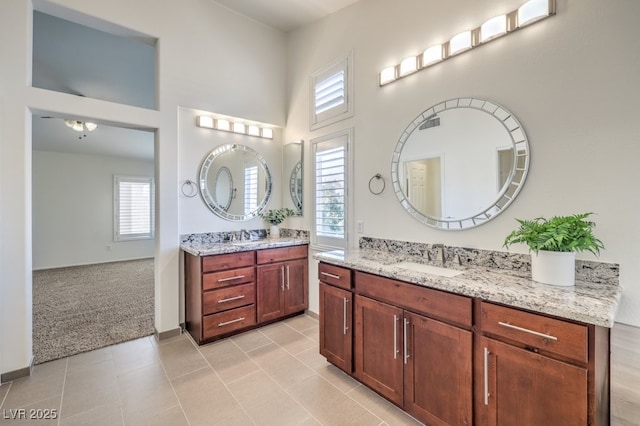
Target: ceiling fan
x=79 y=126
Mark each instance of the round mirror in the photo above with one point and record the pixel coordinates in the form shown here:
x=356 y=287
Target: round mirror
x=460 y=163
x=235 y=182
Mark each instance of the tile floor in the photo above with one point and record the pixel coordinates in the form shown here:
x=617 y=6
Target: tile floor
x=270 y=376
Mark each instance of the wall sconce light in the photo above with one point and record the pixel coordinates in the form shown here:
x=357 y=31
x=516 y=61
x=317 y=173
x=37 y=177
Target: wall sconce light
x=530 y=12
x=239 y=127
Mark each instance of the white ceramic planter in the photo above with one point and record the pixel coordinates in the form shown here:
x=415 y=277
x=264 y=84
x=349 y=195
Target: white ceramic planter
x=554 y=267
x=274 y=231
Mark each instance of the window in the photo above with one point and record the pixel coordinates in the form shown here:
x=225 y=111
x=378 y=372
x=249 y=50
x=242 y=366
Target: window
x=331 y=94
x=133 y=208
x=250 y=189
x=331 y=190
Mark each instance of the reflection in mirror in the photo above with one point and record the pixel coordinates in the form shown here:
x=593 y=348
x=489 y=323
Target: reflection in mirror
x=235 y=182
x=292 y=176
x=460 y=163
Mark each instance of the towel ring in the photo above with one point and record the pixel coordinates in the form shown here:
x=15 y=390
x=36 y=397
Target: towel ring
x=192 y=191
x=377 y=176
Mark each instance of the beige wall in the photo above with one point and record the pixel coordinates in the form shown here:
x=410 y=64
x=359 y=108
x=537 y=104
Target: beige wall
x=572 y=81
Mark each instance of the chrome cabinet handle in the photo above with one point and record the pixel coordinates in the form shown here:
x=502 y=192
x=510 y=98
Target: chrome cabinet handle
x=326 y=274
x=526 y=330
x=237 y=277
x=395 y=337
x=344 y=315
x=282 y=277
x=222 y=324
x=231 y=299
x=486 y=376
x=406 y=351
x=287 y=277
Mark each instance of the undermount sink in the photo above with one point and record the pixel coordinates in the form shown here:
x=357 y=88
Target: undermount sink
x=429 y=269
x=248 y=242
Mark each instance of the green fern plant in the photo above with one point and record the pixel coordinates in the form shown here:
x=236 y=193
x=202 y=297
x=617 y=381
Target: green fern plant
x=560 y=233
x=277 y=216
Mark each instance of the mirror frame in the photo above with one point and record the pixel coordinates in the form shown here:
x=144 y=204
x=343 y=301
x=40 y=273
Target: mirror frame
x=293 y=184
x=227 y=172
x=507 y=194
x=209 y=198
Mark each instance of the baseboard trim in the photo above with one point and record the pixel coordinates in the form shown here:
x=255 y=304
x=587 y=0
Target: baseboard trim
x=10 y=376
x=312 y=314
x=166 y=334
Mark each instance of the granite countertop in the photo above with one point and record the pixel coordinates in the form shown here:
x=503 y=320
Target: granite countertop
x=197 y=248
x=592 y=303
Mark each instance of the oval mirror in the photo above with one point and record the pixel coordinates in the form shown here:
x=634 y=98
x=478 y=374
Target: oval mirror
x=292 y=176
x=460 y=163
x=241 y=191
x=295 y=187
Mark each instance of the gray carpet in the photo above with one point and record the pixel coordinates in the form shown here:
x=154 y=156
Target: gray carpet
x=81 y=308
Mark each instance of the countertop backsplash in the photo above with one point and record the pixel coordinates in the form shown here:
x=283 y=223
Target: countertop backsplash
x=252 y=234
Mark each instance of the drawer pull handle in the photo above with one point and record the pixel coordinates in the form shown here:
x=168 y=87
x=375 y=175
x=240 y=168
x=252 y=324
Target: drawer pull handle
x=526 y=330
x=282 y=277
x=406 y=350
x=486 y=376
x=344 y=316
x=222 y=324
x=237 y=277
x=395 y=337
x=231 y=299
x=326 y=274
x=287 y=277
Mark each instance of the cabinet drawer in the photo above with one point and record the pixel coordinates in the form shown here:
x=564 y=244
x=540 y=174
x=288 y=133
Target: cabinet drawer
x=280 y=254
x=434 y=303
x=334 y=275
x=228 y=298
x=227 y=261
x=228 y=321
x=227 y=278
x=536 y=331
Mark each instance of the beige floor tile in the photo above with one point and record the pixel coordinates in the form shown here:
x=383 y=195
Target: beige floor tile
x=90 y=385
x=301 y=323
x=313 y=334
x=312 y=358
x=338 y=378
x=180 y=357
x=280 y=365
x=251 y=340
x=330 y=406
x=266 y=402
x=46 y=381
x=86 y=359
x=173 y=416
x=291 y=340
x=228 y=360
x=389 y=413
x=99 y=416
x=204 y=397
x=134 y=354
x=4 y=388
x=45 y=412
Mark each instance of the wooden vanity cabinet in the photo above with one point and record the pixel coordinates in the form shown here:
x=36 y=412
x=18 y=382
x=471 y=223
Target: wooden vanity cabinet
x=336 y=316
x=532 y=369
x=411 y=348
x=220 y=294
x=282 y=282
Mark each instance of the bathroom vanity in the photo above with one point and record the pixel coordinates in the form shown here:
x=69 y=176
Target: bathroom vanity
x=468 y=345
x=231 y=287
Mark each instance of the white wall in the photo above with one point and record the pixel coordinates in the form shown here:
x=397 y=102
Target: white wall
x=572 y=81
x=208 y=58
x=73 y=209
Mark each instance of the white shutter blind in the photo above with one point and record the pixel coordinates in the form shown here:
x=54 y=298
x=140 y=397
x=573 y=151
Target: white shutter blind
x=329 y=92
x=250 y=189
x=133 y=208
x=330 y=162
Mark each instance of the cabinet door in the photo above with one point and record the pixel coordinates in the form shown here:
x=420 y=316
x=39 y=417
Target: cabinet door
x=520 y=387
x=438 y=371
x=378 y=340
x=270 y=285
x=336 y=307
x=296 y=295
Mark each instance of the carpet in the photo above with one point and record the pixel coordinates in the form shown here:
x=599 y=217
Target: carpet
x=82 y=308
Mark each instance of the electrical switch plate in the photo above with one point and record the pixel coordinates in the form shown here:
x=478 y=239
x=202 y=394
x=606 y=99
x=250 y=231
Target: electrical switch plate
x=360 y=225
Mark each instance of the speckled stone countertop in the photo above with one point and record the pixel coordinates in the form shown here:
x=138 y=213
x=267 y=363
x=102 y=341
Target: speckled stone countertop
x=206 y=248
x=588 y=302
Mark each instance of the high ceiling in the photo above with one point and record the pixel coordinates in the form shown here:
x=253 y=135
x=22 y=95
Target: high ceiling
x=286 y=15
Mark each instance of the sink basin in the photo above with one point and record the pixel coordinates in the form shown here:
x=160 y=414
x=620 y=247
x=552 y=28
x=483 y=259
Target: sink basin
x=429 y=269
x=248 y=242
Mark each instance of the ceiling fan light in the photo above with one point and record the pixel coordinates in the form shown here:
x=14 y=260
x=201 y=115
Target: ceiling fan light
x=90 y=126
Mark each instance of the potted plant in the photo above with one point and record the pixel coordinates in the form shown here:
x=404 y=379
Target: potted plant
x=275 y=218
x=554 y=243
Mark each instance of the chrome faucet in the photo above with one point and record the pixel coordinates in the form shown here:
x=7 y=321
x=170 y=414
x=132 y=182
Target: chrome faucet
x=439 y=253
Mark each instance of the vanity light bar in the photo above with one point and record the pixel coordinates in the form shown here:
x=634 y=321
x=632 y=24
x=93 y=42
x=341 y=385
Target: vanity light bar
x=225 y=125
x=527 y=14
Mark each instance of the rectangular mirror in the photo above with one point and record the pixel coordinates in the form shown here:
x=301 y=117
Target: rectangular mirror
x=292 y=176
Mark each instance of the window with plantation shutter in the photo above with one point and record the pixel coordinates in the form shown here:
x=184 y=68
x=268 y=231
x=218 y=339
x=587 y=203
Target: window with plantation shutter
x=331 y=94
x=331 y=190
x=250 y=189
x=133 y=208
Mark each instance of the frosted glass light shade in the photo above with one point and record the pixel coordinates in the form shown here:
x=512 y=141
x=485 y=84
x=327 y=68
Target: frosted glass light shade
x=239 y=128
x=267 y=133
x=90 y=126
x=408 y=65
x=460 y=43
x=387 y=75
x=253 y=131
x=432 y=55
x=204 y=121
x=531 y=11
x=494 y=27
x=223 y=125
